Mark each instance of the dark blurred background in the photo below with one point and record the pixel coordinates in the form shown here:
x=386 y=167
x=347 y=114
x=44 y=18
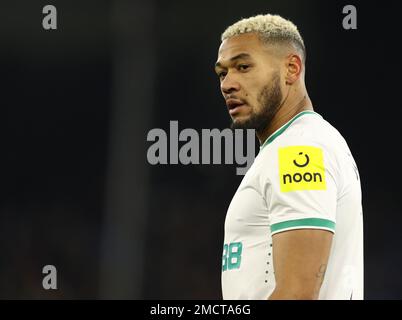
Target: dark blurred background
x=77 y=191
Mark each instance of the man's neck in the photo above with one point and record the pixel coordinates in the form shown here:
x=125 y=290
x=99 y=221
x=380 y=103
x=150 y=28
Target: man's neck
x=284 y=114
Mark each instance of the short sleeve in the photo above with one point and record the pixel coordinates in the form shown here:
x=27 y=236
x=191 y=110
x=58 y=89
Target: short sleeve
x=303 y=187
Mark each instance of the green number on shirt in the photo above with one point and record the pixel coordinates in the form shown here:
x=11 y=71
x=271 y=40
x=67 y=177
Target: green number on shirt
x=224 y=258
x=231 y=257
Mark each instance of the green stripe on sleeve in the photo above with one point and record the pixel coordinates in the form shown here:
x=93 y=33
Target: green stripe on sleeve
x=304 y=223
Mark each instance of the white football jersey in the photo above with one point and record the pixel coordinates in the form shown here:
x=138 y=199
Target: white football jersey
x=304 y=177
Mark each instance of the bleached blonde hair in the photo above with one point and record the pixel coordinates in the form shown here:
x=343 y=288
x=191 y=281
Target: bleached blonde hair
x=270 y=28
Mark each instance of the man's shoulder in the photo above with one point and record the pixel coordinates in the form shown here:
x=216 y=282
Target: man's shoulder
x=311 y=129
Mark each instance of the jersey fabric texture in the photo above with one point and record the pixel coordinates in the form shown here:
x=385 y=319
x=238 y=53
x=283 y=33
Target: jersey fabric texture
x=304 y=177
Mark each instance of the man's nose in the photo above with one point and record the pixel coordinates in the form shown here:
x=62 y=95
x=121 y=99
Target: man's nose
x=229 y=84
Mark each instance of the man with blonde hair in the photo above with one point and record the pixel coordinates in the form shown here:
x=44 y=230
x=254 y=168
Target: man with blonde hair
x=294 y=228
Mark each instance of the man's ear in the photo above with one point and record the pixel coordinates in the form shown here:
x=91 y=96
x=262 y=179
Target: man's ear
x=294 y=67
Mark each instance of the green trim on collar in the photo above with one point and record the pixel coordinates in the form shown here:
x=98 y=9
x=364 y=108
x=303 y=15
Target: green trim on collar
x=278 y=132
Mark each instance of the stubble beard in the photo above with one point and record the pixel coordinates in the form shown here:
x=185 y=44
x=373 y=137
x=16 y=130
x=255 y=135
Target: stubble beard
x=269 y=99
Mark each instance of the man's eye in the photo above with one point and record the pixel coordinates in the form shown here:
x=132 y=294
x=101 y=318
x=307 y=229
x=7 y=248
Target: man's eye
x=243 y=67
x=222 y=74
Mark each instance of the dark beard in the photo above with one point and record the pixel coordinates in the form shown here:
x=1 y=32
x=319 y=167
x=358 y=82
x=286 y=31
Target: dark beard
x=270 y=99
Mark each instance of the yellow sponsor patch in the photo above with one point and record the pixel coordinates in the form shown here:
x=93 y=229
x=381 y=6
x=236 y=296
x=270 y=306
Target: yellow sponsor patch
x=301 y=168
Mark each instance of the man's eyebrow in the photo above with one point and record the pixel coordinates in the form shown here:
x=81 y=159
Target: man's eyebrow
x=237 y=57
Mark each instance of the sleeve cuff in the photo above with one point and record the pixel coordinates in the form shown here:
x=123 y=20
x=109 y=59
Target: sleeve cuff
x=309 y=223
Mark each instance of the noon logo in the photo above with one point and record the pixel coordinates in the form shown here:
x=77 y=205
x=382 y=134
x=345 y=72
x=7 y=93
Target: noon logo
x=301 y=168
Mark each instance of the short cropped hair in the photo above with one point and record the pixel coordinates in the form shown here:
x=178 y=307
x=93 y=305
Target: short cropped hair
x=270 y=28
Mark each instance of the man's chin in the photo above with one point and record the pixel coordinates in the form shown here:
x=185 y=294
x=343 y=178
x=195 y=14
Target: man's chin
x=252 y=122
x=239 y=123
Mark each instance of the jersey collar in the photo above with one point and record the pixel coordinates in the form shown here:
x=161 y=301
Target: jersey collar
x=278 y=132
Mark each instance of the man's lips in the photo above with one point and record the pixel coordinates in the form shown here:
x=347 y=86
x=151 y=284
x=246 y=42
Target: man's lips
x=236 y=109
x=234 y=105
